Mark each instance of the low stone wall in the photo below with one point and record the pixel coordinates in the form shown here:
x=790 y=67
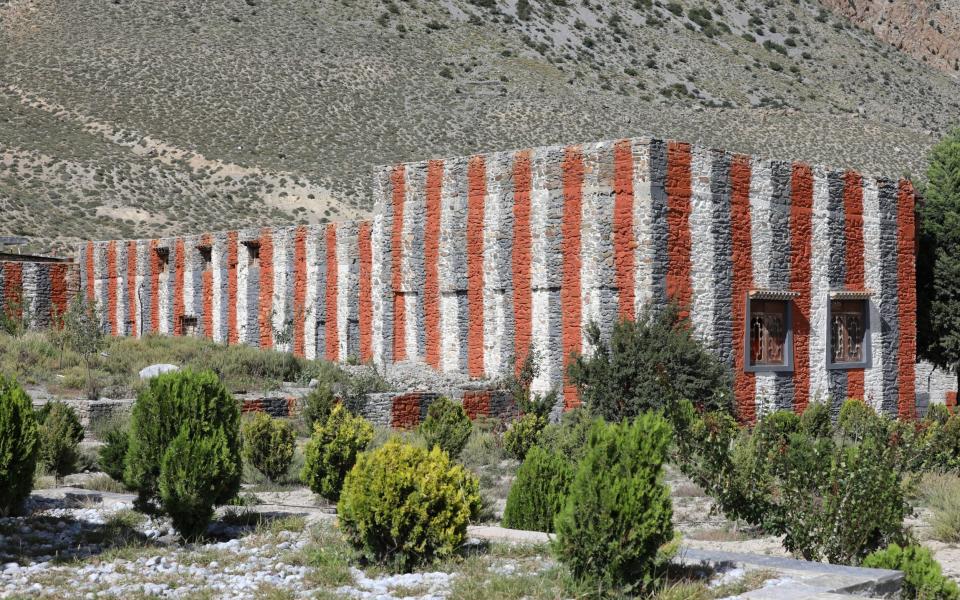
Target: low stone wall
x=94 y=412
x=405 y=410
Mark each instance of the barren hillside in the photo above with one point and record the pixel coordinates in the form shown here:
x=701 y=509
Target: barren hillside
x=135 y=118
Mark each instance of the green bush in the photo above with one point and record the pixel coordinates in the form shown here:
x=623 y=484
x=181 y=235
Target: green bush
x=113 y=453
x=268 y=445
x=649 y=364
x=332 y=451
x=816 y=421
x=446 y=426
x=941 y=494
x=60 y=437
x=569 y=436
x=170 y=403
x=618 y=512
x=19 y=445
x=923 y=578
x=523 y=434
x=858 y=420
x=404 y=506
x=194 y=467
x=539 y=491
x=318 y=404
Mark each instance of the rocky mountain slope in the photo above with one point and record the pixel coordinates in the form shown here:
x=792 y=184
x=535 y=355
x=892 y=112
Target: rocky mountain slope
x=928 y=30
x=142 y=117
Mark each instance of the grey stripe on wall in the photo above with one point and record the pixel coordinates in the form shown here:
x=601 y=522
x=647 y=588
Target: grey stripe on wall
x=781 y=177
x=836 y=275
x=888 y=301
x=722 y=257
x=659 y=231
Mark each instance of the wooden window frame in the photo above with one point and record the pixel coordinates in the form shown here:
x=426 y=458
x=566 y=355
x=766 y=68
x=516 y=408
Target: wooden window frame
x=787 y=365
x=865 y=359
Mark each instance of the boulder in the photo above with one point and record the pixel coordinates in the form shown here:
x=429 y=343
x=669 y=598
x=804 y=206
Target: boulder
x=154 y=370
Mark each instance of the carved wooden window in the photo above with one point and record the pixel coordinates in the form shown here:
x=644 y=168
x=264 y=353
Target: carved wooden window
x=848 y=327
x=768 y=332
x=206 y=257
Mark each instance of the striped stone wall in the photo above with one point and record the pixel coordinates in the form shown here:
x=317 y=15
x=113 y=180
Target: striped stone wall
x=468 y=264
x=37 y=293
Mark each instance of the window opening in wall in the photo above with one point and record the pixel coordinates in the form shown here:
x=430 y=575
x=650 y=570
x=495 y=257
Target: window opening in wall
x=163 y=259
x=206 y=257
x=768 y=332
x=253 y=253
x=188 y=325
x=848 y=332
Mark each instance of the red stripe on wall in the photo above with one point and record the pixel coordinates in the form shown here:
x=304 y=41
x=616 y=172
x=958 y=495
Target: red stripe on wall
x=744 y=386
x=179 y=268
x=13 y=289
x=266 y=289
x=59 y=297
x=399 y=306
x=232 y=334
x=853 y=232
x=112 y=275
x=365 y=303
x=476 y=190
x=521 y=259
x=299 y=290
x=91 y=274
x=154 y=288
x=570 y=301
x=907 y=296
x=332 y=335
x=623 y=242
x=431 y=263
x=801 y=248
x=132 y=313
x=207 y=292
x=679 y=242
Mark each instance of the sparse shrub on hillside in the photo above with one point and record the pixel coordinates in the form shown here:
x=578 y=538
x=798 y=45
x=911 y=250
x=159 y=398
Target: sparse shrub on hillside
x=447 y=426
x=332 y=451
x=618 y=511
x=19 y=446
x=404 y=506
x=60 y=436
x=174 y=402
x=268 y=445
x=84 y=335
x=649 y=364
x=539 y=491
x=923 y=577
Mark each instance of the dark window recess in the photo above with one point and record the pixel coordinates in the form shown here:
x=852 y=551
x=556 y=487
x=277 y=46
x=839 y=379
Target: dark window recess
x=768 y=332
x=206 y=257
x=188 y=325
x=253 y=253
x=848 y=326
x=163 y=260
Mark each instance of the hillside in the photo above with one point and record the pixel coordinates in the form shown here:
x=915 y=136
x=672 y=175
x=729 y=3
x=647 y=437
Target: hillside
x=925 y=29
x=136 y=118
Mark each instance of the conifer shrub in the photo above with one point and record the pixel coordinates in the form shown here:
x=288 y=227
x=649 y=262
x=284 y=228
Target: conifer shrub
x=60 y=437
x=172 y=402
x=857 y=419
x=923 y=578
x=815 y=420
x=523 y=434
x=569 y=436
x=332 y=451
x=539 y=491
x=268 y=445
x=618 y=511
x=404 y=506
x=447 y=426
x=19 y=446
x=193 y=469
x=111 y=458
x=318 y=404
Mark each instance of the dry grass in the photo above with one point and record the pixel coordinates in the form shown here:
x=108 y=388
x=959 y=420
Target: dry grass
x=941 y=494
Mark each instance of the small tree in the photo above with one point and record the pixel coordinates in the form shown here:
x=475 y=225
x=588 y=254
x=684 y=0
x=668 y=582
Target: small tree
x=938 y=263
x=268 y=445
x=84 y=335
x=539 y=491
x=19 y=444
x=618 y=512
x=649 y=364
x=447 y=426
x=60 y=437
x=332 y=451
